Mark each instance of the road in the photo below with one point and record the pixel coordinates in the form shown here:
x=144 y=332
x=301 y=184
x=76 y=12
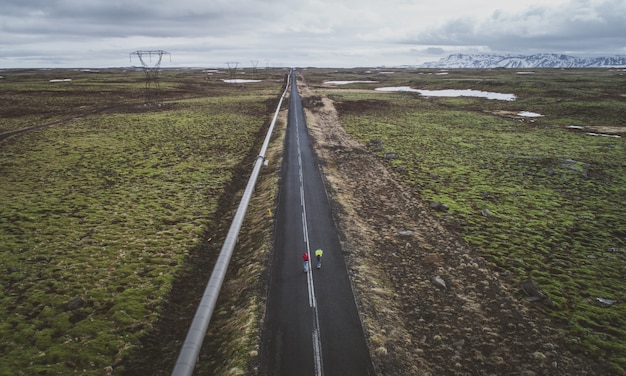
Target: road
x=313 y=326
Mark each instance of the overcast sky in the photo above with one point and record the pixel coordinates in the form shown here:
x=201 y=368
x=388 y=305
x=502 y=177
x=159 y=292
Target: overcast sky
x=322 y=33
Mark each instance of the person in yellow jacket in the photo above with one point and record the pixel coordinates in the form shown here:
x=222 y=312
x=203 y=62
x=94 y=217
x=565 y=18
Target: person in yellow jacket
x=318 y=256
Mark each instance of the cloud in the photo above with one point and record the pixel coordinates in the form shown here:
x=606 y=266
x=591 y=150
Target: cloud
x=306 y=32
x=578 y=25
x=434 y=51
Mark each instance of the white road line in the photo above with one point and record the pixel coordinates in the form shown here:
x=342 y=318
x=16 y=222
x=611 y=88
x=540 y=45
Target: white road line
x=317 y=343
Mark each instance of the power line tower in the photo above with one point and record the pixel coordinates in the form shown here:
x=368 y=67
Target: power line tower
x=255 y=63
x=151 y=71
x=232 y=68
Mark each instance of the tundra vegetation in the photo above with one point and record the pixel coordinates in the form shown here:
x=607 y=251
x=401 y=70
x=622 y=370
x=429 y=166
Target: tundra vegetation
x=113 y=202
x=113 y=212
x=542 y=198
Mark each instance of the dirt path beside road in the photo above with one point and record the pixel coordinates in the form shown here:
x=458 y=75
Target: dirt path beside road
x=396 y=246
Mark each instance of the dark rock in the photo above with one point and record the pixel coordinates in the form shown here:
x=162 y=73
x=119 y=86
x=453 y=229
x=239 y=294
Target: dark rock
x=438 y=206
x=530 y=288
x=375 y=145
x=534 y=293
x=75 y=303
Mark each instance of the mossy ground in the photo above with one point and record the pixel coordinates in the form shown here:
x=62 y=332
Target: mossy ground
x=107 y=204
x=540 y=199
x=124 y=205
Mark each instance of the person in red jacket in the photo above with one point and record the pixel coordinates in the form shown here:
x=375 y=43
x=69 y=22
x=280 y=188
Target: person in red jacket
x=305 y=257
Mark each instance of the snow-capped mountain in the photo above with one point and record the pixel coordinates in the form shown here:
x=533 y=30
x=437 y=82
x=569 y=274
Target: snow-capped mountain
x=525 y=61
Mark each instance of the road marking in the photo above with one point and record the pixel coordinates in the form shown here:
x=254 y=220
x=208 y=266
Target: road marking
x=317 y=343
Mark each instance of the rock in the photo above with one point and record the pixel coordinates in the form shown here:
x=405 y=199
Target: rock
x=405 y=232
x=440 y=207
x=534 y=293
x=486 y=213
x=439 y=282
x=530 y=288
x=375 y=145
x=75 y=303
x=12 y=269
x=390 y=156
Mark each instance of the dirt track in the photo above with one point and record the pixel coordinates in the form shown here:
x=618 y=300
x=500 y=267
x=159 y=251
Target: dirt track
x=478 y=324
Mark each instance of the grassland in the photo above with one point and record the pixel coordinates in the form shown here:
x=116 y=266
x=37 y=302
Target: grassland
x=103 y=210
x=540 y=199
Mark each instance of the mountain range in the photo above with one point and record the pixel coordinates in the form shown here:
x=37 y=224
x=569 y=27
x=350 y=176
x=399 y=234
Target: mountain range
x=525 y=61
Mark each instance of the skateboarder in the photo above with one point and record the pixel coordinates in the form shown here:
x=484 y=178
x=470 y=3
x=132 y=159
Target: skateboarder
x=305 y=257
x=318 y=255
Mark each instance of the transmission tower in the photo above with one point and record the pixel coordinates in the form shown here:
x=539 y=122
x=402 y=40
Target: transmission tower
x=232 y=68
x=255 y=63
x=151 y=70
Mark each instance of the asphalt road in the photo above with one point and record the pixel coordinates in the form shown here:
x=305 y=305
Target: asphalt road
x=312 y=326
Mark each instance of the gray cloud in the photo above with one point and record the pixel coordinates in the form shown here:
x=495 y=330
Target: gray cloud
x=577 y=26
x=320 y=32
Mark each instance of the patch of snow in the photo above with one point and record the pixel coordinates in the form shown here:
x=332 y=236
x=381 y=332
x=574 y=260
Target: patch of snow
x=603 y=135
x=528 y=114
x=524 y=72
x=349 y=82
x=62 y=80
x=575 y=127
x=606 y=302
x=240 y=81
x=452 y=93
